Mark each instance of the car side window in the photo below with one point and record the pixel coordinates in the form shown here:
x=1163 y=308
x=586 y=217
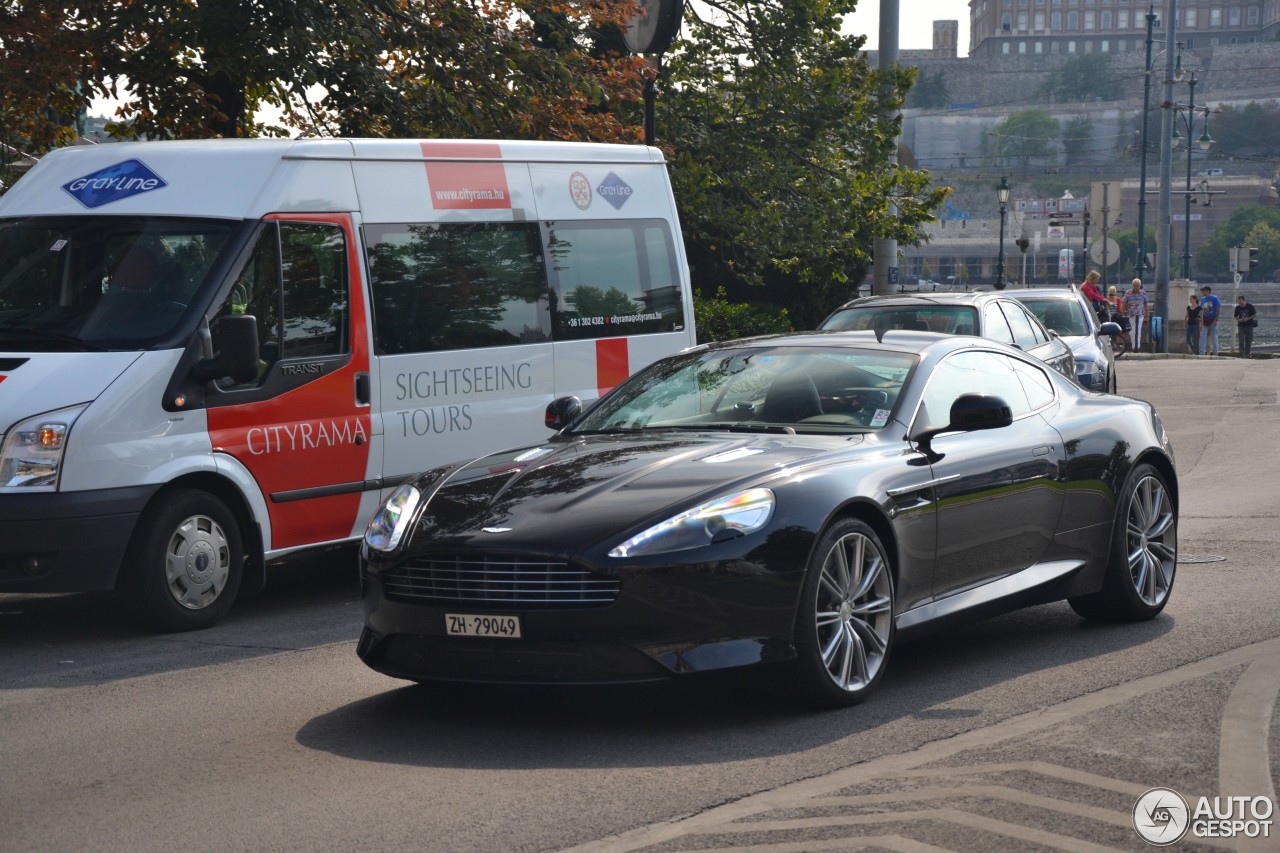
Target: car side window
x=1035 y=382
x=972 y=373
x=1024 y=328
x=994 y=325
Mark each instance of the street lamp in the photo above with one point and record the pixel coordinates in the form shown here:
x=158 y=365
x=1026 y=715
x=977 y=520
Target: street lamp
x=1142 y=180
x=1188 y=114
x=1002 y=195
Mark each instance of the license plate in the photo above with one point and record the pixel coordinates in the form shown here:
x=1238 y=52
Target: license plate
x=470 y=625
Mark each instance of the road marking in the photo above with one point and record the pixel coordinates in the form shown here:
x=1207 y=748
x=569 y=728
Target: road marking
x=1247 y=716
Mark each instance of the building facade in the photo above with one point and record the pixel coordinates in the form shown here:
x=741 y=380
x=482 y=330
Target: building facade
x=1048 y=27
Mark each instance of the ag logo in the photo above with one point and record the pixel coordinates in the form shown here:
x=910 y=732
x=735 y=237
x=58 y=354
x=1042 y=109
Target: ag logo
x=1161 y=816
x=580 y=190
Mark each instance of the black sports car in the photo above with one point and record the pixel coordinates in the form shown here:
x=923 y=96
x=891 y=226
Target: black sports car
x=800 y=501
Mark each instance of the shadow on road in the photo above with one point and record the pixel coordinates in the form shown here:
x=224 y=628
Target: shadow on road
x=306 y=603
x=655 y=725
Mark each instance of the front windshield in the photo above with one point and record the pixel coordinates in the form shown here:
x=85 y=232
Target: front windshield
x=1064 y=316
x=100 y=282
x=782 y=389
x=944 y=319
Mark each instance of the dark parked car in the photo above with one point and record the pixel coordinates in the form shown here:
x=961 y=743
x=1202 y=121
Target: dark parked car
x=987 y=314
x=1067 y=313
x=794 y=502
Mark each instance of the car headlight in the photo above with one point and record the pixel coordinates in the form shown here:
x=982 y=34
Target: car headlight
x=31 y=458
x=389 y=523
x=727 y=517
x=1087 y=369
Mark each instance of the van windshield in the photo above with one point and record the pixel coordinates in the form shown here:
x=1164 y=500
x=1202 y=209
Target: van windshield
x=101 y=282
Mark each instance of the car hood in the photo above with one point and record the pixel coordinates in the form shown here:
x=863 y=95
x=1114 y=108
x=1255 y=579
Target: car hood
x=38 y=382
x=1080 y=344
x=580 y=491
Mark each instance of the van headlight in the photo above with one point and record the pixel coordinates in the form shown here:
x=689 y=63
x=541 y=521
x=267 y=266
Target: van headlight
x=31 y=457
x=393 y=518
x=714 y=521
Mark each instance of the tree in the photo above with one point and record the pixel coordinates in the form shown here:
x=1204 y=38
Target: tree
x=779 y=148
x=1266 y=240
x=1086 y=77
x=1249 y=131
x=929 y=92
x=44 y=56
x=198 y=68
x=1022 y=137
x=1212 y=254
x=1077 y=138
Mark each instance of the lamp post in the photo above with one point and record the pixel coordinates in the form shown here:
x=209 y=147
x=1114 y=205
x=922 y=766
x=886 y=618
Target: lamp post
x=1142 y=180
x=1188 y=114
x=1002 y=195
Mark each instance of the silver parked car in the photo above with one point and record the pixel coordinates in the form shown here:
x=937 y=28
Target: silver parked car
x=987 y=314
x=1067 y=312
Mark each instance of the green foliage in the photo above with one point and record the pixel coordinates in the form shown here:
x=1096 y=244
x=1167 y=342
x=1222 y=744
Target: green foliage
x=718 y=319
x=1077 y=138
x=1127 y=240
x=1021 y=137
x=1212 y=256
x=1251 y=130
x=929 y=92
x=1266 y=240
x=1086 y=77
x=779 y=152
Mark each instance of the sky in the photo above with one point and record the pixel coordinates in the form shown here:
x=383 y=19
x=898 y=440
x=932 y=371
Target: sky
x=915 y=22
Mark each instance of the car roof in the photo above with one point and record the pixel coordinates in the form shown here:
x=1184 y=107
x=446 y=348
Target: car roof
x=892 y=340
x=1043 y=293
x=968 y=297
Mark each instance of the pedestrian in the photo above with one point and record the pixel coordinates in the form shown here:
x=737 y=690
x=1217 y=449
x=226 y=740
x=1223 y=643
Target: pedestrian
x=1193 y=324
x=1246 y=321
x=1135 y=307
x=1097 y=301
x=1210 y=308
x=1116 y=306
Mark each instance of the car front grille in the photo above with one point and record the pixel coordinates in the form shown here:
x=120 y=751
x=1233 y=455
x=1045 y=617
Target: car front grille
x=497 y=582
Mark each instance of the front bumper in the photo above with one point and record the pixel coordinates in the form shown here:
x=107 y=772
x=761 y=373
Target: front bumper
x=67 y=541
x=664 y=622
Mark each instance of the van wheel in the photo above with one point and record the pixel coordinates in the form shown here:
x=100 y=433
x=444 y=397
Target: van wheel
x=184 y=566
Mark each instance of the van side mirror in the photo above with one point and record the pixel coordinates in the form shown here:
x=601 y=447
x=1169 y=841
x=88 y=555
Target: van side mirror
x=561 y=412
x=238 y=356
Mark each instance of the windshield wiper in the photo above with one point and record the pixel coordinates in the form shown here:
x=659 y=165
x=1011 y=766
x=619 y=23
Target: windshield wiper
x=46 y=335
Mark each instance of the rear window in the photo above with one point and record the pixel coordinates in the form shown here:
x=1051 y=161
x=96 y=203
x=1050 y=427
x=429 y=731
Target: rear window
x=944 y=319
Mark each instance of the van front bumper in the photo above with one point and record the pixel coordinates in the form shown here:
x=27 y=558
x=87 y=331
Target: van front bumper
x=67 y=541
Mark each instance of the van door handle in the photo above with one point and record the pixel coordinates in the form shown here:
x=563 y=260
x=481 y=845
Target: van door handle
x=362 y=389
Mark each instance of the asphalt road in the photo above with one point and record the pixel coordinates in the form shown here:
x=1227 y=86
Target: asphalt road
x=1029 y=731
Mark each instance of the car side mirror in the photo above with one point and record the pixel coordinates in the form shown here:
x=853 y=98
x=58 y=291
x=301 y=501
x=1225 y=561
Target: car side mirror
x=561 y=412
x=238 y=356
x=969 y=413
x=1109 y=329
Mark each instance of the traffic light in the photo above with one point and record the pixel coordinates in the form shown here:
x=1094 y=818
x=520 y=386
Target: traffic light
x=1248 y=258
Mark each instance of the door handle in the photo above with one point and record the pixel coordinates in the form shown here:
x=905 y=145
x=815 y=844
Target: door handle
x=362 y=389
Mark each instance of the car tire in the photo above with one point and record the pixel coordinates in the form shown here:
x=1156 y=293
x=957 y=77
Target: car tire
x=1144 y=553
x=184 y=566
x=845 y=618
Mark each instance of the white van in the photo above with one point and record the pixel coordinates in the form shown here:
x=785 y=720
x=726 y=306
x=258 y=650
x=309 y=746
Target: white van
x=216 y=353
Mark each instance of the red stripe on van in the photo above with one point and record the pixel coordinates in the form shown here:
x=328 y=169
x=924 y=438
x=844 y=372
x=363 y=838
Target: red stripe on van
x=467 y=185
x=612 y=363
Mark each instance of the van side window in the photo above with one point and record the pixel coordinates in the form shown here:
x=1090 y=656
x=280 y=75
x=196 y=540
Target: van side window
x=257 y=293
x=295 y=284
x=613 y=278
x=314 y=262
x=457 y=286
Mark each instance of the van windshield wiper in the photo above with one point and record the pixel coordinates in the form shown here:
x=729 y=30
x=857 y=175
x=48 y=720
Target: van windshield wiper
x=46 y=335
